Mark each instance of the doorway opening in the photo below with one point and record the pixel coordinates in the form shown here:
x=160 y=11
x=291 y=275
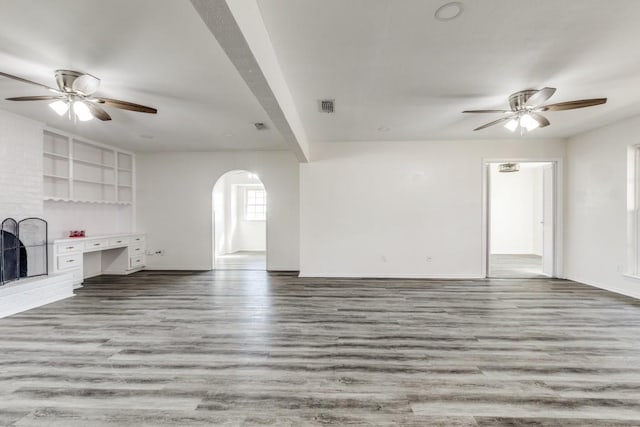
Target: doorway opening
x=521 y=212
x=239 y=222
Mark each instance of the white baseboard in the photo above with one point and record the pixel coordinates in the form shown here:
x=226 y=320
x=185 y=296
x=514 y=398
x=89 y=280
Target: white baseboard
x=393 y=276
x=625 y=292
x=282 y=268
x=182 y=267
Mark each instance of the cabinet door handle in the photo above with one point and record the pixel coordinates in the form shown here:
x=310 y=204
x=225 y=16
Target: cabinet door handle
x=70 y=260
x=69 y=247
x=119 y=241
x=96 y=244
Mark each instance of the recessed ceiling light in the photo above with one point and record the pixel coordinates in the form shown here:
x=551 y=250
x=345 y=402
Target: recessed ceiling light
x=146 y=136
x=384 y=129
x=449 y=11
x=228 y=135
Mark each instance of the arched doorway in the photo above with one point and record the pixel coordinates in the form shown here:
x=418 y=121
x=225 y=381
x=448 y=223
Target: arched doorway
x=239 y=222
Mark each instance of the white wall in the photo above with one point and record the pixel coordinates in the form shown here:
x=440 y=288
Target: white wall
x=249 y=235
x=21 y=185
x=516 y=210
x=596 y=207
x=94 y=218
x=381 y=209
x=174 y=204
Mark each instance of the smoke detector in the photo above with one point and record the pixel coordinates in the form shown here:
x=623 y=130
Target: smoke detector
x=509 y=167
x=327 y=105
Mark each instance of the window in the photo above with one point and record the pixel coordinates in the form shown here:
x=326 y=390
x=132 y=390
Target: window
x=255 y=205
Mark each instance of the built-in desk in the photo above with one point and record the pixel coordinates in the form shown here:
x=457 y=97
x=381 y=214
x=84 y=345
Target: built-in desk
x=95 y=255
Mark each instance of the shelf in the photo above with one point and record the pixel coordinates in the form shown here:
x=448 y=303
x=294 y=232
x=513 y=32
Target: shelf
x=88 y=181
x=56 y=155
x=88 y=162
x=86 y=172
x=65 y=199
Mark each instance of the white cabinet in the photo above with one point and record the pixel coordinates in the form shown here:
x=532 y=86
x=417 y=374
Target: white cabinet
x=89 y=256
x=79 y=170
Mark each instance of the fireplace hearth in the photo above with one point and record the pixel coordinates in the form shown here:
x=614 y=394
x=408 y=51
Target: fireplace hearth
x=23 y=249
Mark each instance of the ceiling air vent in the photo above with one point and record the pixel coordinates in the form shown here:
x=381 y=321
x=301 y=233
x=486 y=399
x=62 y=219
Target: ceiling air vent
x=509 y=167
x=260 y=126
x=327 y=105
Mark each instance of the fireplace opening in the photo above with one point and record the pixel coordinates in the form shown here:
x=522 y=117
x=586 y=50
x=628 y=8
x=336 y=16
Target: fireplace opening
x=23 y=249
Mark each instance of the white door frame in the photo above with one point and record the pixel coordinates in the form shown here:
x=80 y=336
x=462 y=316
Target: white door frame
x=558 y=198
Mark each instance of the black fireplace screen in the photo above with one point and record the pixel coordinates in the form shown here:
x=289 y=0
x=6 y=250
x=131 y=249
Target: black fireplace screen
x=23 y=249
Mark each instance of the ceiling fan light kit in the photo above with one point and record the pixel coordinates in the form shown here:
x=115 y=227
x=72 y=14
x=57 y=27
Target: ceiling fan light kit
x=75 y=93
x=526 y=106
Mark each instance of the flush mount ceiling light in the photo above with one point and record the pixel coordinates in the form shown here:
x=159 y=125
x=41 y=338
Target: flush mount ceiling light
x=526 y=107
x=75 y=93
x=449 y=11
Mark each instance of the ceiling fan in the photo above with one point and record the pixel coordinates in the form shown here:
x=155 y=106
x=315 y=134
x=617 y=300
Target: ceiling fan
x=526 y=106
x=75 y=92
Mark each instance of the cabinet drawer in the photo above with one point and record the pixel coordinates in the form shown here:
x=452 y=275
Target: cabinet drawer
x=96 y=244
x=68 y=262
x=136 y=261
x=137 y=250
x=118 y=242
x=138 y=238
x=65 y=248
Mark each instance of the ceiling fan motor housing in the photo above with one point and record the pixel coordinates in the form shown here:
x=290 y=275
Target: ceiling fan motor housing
x=65 y=79
x=518 y=99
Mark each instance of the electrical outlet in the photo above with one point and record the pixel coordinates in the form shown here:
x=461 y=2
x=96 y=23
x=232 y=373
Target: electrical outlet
x=149 y=253
x=383 y=258
x=429 y=259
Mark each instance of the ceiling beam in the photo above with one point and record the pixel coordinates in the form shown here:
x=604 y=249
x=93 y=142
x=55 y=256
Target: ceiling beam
x=240 y=31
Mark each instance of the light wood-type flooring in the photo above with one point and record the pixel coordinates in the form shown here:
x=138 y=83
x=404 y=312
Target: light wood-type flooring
x=242 y=260
x=515 y=266
x=249 y=348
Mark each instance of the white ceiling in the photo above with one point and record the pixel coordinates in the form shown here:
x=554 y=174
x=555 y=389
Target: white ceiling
x=153 y=52
x=389 y=63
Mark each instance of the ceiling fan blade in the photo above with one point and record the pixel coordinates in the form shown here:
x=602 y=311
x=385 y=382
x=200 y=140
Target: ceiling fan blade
x=542 y=120
x=34 y=98
x=20 y=79
x=98 y=112
x=540 y=96
x=86 y=84
x=495 y=122
x=125 y=105
x=572 y=105
x=488 y=111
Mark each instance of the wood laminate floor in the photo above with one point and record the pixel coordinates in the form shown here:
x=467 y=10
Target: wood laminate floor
x=247 y=348
x=524 y=266
x=242 y=260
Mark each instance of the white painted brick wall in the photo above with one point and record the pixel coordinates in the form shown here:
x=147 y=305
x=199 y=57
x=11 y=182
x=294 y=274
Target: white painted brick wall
x=21 y=185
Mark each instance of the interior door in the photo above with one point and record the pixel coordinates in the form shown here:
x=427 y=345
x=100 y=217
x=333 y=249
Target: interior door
x=548 y=220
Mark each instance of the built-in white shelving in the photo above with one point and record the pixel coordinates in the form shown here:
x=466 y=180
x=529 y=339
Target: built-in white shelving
x=77 y=170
